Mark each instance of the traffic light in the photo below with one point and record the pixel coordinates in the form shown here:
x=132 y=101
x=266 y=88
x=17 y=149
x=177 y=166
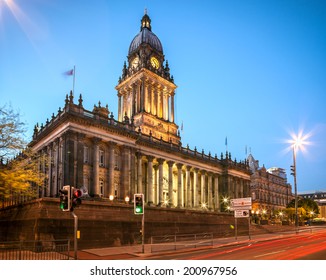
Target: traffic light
x=293 y=170
x=65 y=195
x=75 y=198
x=139 y=204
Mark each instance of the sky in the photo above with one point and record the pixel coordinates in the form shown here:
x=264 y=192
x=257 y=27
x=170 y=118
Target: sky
x=252 y=72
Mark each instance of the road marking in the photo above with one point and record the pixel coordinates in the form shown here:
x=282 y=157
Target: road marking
x=272 y=253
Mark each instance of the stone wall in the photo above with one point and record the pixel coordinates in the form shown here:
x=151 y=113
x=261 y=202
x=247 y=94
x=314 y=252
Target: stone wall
x=103 y=224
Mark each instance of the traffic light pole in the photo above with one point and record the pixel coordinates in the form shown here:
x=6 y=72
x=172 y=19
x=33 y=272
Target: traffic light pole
x=75 y=233
x=143 y=233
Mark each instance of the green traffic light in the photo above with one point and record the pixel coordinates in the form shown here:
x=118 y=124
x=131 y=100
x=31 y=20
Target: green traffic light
x=139 y=210
x=139 y=204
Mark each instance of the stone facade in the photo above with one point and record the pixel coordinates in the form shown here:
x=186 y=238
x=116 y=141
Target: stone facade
x=102 y=224
x=140 y=151
x=269 y=189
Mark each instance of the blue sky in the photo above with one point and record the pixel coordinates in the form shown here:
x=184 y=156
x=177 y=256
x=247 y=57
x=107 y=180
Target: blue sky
x=252 y=71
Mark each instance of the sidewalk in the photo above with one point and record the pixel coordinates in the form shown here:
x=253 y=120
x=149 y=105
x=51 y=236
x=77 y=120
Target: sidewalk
x=135 y=251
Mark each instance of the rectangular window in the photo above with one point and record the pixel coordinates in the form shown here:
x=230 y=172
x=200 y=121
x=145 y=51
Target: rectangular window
x=86 y=154
x=101 y=158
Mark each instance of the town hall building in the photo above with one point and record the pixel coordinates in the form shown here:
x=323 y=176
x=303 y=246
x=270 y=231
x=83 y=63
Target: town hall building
x=140 y=149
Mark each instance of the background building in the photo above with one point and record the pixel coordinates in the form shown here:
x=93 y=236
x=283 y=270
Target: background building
x=320 y=198
x=269 y=189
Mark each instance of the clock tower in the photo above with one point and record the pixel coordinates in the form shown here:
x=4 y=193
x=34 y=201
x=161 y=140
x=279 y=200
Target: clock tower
x=146 y=89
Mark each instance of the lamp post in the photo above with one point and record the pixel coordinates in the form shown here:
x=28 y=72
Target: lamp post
x=298 y=142
x=294 y=173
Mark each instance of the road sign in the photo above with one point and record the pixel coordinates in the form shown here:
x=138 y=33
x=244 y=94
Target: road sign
x=241 y=213
x=240 y=203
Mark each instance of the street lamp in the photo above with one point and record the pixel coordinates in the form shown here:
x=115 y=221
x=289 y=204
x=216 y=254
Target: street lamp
x=281 y=215
x=294 y=173
x=298 y=141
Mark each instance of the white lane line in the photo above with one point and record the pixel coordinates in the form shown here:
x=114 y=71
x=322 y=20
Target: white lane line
x=271 y=253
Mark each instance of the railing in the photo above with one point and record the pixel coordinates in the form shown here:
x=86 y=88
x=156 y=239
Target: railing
x=177 y=242
x=35 y=250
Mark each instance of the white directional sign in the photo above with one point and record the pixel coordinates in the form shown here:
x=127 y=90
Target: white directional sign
x=240 y=203
x=241 y=213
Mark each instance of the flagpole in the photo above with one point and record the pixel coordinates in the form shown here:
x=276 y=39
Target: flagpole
x=73 y=85
x=226 y=143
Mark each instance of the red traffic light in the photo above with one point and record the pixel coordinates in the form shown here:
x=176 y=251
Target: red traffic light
x=76 y=201
x=77 y=193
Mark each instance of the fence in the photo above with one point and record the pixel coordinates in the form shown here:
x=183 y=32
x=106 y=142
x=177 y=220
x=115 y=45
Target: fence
x=177 y=242
x=35 y=250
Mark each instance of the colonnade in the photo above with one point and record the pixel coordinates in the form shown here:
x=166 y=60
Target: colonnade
x=146 y=96
x=121 y=171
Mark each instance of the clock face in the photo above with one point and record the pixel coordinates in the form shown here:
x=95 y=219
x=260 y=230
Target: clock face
x=155 y=62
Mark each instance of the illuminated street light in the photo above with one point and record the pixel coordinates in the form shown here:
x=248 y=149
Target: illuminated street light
x=298 y=142
x=281 y=215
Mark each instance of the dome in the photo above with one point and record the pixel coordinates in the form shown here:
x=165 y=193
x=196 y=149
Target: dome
x=145 y=36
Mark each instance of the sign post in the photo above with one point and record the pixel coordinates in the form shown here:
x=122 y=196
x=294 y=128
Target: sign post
x=241 y=208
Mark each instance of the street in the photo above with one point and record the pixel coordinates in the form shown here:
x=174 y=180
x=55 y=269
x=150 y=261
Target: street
x=305 y=246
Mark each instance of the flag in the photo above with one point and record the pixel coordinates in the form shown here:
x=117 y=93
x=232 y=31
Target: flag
x=226 y=141
x=69 y=72
x=182 y=126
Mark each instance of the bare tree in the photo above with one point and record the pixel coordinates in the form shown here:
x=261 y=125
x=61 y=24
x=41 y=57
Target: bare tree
x=20 y=172
x=11 y=133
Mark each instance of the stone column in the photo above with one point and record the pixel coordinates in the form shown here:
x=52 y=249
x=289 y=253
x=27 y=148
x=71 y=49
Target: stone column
x=230 y=186
x=139 y=173
x=180 y=192
x=124 y=105
x=241 y=187
x=96 y=166
x=120 y=114
x=171 y=201
x=125 y=174
x=133 y=188
x=172 y=108
x=49 y=170
x=155 y=100
x=150 y=101
x=162 y=103
x=155 y=185
x=203 y=188
x=195 y=189
x=188 y=186
x=111 y=166
x=216 y=194
x=150 y=179
x=210 y=191
x=165 y=106
x=160 y=181
x=80 y=160
x=236 y=188
x=133 y=100
x=142 y=96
